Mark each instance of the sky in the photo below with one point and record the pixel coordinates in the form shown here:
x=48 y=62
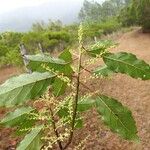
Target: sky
x=19 y=15
x=9 y=5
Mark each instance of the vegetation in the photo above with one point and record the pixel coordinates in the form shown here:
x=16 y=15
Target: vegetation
x=50 y=38
x=46 y=104
x=61 y=106
x=56 y=36
x=93 y=11
x=98 y=19
x=136 y=13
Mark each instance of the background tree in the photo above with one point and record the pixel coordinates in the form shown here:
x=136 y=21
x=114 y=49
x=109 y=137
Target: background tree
x=136 y=13
x=143 y=13
x=98 y=12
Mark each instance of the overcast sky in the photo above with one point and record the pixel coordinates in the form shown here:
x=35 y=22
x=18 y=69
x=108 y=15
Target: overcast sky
x=9 y=5
x=19 y=15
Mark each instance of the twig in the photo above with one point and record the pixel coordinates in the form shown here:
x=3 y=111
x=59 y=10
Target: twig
x=85 y=86
x=86 y=70
x=55 y=130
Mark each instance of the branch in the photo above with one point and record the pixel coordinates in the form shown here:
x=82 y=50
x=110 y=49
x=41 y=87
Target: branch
x=86 y=70
x=85 y=86
x=55 y=130
x=75 y=102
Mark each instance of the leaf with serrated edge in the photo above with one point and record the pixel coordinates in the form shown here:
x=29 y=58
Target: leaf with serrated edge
x=85 y=104
x=103 y=71
x=99 y=47
x=16 y=117
x=59 y=87
x=127 y=63
x=32 y=140
x=20 y=89
x=56 y=64
x=66 y=56
x=117 y=117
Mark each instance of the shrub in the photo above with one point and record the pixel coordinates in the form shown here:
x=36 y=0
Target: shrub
x=13 y=57
x=110 y=26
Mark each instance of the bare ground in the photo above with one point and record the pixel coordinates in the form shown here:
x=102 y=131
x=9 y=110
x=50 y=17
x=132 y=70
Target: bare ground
x=131 y=92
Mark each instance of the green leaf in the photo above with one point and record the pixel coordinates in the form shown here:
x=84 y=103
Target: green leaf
x=78 y=122
x=32 y=140
x=18 y=90
x=16 y=117
x=118 y=118
x=103 y=71
x=36 y=61
x=63 y=112
x=85 y=104
x=59 y=87
x=100 y=47
x=127 y=63
x=66 y=56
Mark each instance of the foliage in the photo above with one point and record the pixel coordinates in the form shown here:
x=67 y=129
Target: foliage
x=17 y=90
x=9 y=52
x=136 y=13
x=17 y=117
x=97 y=29
x=110 y=26
x=143 y=13
x=57 y=87
x=100 y=19
x=94 y=11
x=103 y=71
x=116 y=117
x=128 y=16
x=32 y=140
x=128 y=64
x=49 y=40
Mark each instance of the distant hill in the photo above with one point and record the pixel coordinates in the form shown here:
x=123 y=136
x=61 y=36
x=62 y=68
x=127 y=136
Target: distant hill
x=21 y=19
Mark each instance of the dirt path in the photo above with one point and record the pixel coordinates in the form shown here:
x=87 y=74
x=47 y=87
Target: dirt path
x=133 y=93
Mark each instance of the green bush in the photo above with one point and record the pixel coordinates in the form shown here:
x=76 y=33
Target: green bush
x=110 y=26
x=97 y=29
x=12 y=57
x=9 y=49
x=59 y=36
x=49 y=40
x=93 y=29
x=31 y=40
x=3 y=50
x=11 y=39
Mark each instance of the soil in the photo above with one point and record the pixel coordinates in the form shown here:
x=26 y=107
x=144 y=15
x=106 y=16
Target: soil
x=131 y=92
x=8 y=72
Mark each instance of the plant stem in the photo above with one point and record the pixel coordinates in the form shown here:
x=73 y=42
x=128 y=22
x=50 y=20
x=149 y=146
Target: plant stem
x=86 y=70
x=75 y=101
x=55 y=130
